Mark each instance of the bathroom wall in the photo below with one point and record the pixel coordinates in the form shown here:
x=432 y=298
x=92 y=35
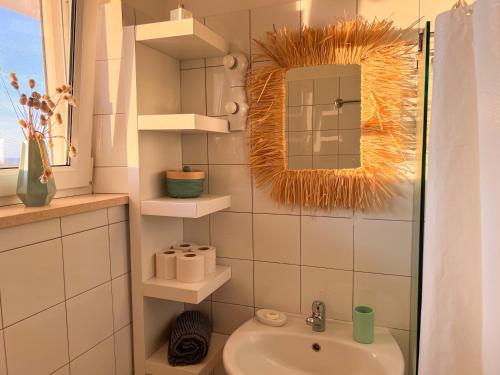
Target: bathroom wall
x=65 y=296
x=281 y=258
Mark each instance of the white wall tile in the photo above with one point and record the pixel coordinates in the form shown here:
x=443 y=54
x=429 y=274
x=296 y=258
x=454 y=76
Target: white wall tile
x=205 y=307
x=300 y=93
x=217 y=91
x=327 y=242
x=31 y=279
x=277 y=286
x=318 y=13
x=300 y=162
x=234 y=180
x=62 y=371
x=333 y=287
x=326 y=90
x=100 y=360
x=227 y=318
x=90 y=319
x=325 y=117
x=300 y=143
x=124 y=351
x=350 y=116
x=113 y=180
x=238 y=290
x=231 y=148
x=403 y=340
x=3 y=364
x=194 y=149
x=119 y=248
x=349 y=161
x=80 y=222
x=109 y=29
x=234 y=27
x=399 y=208
x=277 y=238
x=349 y=141
x=388 y=295
x=117 y=214
x=192 y=63
x=264 y=19
x=403 y=13
x=232 y=234
x=326 y=142
x=27 y=234
x=383 y=246
x=300 y=118
x=110 y=140
x=122 y=304
x=430 y=9
x=193 y=91
x=86 y=260
x=263 y=203
x=109 y=95
x=197 y=230
x=325 y=161
x=41 y=339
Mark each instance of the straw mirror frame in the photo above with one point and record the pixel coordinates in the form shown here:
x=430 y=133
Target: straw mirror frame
x=388 y=93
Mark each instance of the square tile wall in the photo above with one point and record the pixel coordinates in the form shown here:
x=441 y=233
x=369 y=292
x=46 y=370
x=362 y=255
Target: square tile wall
x=65 y=296
x=285 y=257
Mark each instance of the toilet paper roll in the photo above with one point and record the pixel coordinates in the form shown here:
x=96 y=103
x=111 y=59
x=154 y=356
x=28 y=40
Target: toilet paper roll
x=190 y=267
x=184 y=246
x=166 y=264
x=210 y=255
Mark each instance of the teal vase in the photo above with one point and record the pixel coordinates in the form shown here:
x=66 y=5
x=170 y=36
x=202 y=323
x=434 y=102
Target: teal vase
x=31 y=191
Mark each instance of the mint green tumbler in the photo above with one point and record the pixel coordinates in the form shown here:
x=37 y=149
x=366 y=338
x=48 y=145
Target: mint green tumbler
x=363 y=322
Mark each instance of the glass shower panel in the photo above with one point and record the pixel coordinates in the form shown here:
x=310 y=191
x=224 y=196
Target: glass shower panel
x=423 y=100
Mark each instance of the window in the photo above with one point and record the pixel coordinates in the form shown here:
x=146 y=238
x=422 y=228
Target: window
x=43 y=40
x=22 y=42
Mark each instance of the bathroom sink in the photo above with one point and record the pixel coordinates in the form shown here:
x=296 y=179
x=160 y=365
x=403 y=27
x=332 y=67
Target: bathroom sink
x=293 y=349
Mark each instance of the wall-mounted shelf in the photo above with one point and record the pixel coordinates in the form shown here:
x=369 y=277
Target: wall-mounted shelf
x=186 y=207
x=157 y=364
x=182 y=39
x=194 y=293
x=185 y=123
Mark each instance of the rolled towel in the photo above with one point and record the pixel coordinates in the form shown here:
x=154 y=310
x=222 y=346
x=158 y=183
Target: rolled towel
x=189 y=339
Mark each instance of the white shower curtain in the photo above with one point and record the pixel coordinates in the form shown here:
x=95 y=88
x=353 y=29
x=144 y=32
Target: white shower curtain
x=460 y=331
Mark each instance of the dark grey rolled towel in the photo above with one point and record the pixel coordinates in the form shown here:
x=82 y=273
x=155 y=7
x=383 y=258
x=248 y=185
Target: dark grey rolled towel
x=189 y=339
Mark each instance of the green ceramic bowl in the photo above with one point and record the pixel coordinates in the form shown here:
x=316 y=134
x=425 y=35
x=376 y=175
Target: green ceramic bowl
x=185 y=183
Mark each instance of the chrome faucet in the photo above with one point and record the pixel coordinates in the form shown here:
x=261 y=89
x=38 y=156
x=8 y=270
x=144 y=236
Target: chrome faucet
x=318 y=318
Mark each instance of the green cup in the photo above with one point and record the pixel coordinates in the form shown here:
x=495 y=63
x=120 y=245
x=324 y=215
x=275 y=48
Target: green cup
x=363 y=322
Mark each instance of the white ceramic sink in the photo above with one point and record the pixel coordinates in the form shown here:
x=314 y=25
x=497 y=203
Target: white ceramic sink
x=256 y=349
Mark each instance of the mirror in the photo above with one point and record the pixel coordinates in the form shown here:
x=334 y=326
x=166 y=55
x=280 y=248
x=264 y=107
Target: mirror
x=311 y=140
x=323 y=117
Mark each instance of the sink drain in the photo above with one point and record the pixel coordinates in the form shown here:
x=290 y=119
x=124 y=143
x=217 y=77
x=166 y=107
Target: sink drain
x=316 y=347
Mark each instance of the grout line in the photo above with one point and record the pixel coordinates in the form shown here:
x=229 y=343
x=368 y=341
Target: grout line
x=64 y=287
x=30 y=244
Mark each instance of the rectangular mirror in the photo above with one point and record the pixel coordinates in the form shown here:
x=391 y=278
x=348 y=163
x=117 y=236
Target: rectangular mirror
x=323 y=117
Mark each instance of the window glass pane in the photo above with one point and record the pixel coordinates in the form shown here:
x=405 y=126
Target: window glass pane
x=37 y=50
x=21 y=52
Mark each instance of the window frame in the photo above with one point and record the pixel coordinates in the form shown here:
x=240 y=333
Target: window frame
x=75 y=178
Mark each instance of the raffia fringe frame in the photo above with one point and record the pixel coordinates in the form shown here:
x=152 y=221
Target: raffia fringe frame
x=388 y=84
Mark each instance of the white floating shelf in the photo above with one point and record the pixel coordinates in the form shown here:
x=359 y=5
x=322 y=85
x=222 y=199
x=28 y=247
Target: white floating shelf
x=185 y=123
x=174 y=290
x=185 y=207
x=158 y=364
x=182 y=39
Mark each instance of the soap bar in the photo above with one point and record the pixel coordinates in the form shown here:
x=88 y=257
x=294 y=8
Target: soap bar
x=271 y=317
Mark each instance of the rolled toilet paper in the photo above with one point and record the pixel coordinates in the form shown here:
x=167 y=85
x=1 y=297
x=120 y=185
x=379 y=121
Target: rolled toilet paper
x=166 y=264
x=210 y=255
x=184 y=246
x=190 y=267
